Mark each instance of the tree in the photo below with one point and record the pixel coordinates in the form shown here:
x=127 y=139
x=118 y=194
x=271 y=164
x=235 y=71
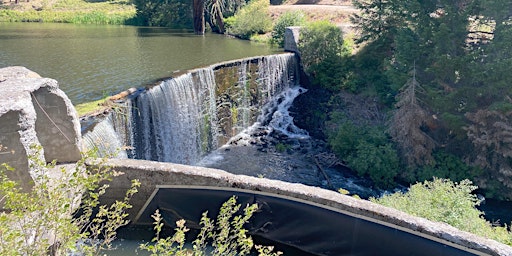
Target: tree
x=406 y=125
x=198 y=16
x=215 y=11
x=165 y=13
x=491 y=135
x=377 y=18
x=251 y=19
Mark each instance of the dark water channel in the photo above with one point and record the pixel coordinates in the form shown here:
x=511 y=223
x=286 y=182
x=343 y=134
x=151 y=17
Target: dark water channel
x=92 y=61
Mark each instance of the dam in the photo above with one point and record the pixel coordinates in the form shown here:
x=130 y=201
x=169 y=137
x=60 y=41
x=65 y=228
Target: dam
x=312 y=219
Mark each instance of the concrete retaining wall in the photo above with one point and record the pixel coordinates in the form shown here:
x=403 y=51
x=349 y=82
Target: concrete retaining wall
x=153 y=174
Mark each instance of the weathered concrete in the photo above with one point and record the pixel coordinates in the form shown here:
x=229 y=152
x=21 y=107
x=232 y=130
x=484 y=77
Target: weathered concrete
x=35 y=112
x=291 y=39
x=153 y=174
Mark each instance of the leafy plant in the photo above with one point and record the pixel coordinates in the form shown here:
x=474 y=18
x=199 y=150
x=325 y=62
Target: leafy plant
x=253 y=18
x=287 y=19
x=366 y=150
x=61 y=213
x=324 y=54
x=446 y=201
x=226 y=235
x=172 y=13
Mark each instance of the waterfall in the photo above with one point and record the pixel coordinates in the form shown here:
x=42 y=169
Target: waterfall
x=105 y=139
x=175 y=120
x=181 y=119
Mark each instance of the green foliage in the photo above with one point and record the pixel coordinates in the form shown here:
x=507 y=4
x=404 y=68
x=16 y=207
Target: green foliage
x=287 y=19
x=226 y=235
x=73 y=11
x=446 y=201
x=77 y=17
x=377 y=19
x=446 y=165
x=44 y=218
x=367 y=150
x=253 y=18
x=379 y=162
x=165 y=13
x=325 y=55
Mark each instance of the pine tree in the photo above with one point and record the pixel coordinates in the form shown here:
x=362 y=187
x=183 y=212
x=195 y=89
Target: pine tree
x=377 y=18
x=405 y=126
x=491 y=135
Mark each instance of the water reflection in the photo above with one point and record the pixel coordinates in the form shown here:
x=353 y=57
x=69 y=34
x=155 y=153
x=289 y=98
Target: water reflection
x=91 y=61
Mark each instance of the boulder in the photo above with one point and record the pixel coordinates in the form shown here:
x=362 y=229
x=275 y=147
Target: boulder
x=35 y=115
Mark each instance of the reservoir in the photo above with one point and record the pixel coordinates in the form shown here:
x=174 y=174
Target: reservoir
x=94 y=61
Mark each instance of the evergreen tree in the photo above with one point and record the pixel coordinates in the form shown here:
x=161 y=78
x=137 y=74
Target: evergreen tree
x=377 y=18
x=406 y=126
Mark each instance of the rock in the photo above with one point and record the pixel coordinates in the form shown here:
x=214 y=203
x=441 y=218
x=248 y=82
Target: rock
x=35 y=112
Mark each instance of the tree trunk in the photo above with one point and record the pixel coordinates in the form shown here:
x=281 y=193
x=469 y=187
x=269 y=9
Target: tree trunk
x=220 y=22
x=198 y=12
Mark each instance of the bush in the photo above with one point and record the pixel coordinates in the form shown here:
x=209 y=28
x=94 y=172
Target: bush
x=366 y=150
x=172 y=13
x=60 y=210
x=295 y=18
x=252 y=19
x=324 y=54
x=226 y=236
x=448 y=166
x=379 y=162
x=449 y=202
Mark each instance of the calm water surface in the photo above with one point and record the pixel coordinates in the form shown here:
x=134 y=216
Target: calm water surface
x=92 y=61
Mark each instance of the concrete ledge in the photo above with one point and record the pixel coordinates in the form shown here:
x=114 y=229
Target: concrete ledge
x=151 y=174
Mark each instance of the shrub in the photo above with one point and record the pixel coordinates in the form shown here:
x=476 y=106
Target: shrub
x=379 y=162
x=60 y=210
x=324 y=54
x=366 y=150
x=446 y=201
x=287 y=19
x=448 y=166
x=172 y=13
x=226 y=236
x=252 y=19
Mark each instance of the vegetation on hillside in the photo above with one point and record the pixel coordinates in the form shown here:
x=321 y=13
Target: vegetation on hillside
x=69 y=11
x=425 y=95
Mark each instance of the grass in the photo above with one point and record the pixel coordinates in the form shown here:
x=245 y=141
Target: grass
x=69 y=11
x=92 y=107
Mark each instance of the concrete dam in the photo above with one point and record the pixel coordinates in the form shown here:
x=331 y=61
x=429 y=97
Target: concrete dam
x=164 y=136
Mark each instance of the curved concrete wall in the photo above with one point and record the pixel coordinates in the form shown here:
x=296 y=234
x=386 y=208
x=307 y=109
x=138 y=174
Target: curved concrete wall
x=157 y=174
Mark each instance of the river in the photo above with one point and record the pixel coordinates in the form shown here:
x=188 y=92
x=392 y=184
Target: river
x=93 y=61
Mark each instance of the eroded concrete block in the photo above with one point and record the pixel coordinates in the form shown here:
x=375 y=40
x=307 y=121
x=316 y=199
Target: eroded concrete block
x=35 y=112
x=291 y=39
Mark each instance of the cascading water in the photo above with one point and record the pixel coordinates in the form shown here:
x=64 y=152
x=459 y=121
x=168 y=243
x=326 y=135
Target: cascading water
x=174 y=120
x=232 y=116
x=104 y=138
x=181 y=119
